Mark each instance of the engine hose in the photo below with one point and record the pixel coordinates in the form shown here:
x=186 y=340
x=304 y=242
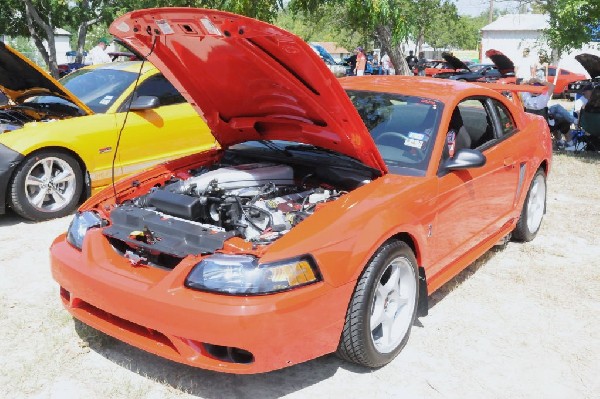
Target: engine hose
x=242 y=206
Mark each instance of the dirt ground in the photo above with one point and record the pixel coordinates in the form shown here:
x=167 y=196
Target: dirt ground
x=523 y=322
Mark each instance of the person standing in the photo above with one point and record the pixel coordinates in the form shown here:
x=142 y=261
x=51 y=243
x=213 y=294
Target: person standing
x=361 y=62
x=386 y=64
x=411 y=61
x=526 y=68
x=98 y=54
x=421 y=64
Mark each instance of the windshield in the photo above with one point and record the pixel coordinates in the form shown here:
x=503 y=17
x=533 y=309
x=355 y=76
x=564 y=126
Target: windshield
x=403 y=128
x=477 y=67
x=97 y=88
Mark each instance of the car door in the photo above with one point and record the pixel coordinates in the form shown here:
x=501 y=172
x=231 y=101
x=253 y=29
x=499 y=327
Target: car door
x=171 y=130
x=474 y=203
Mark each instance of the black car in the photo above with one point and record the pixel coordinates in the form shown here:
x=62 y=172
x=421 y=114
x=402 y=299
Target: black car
x=591 y=63
x=502 y=67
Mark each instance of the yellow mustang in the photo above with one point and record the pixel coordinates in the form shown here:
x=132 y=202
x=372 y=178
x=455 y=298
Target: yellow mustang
x=59 y=142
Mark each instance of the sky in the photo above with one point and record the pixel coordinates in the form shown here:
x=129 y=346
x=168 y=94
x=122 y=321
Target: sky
x=476 y=7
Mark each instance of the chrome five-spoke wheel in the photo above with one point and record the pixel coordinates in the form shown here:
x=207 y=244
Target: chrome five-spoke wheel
x=46 y=186
x=383 y=307
x=533 y=210
x=393 y=305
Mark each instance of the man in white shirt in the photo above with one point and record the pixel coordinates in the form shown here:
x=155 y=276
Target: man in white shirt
x=537 y=103
x=98 y=54
x=525 y=68
x=386 y=64
x=582 y=101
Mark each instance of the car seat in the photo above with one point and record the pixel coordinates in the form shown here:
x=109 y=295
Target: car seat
x=463 y=139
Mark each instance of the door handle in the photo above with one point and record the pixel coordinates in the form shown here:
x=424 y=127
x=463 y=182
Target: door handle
x=509 y=162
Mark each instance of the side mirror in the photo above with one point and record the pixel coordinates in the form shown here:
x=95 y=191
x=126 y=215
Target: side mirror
x=144 y=102
x=465 y=159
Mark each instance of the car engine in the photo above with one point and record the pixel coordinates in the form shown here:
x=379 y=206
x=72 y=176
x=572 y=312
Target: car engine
x=13 y=120
x=258 y=202
x=16 y=116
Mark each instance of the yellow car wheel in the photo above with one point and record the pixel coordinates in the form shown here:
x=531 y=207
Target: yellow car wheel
x=46 y=185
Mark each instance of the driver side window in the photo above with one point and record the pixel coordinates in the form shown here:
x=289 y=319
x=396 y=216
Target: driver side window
x=470 y=127
x=157 y=86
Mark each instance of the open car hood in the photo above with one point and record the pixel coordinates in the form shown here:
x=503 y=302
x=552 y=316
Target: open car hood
x=454 y=62
x=591 y=63
x=504 y=64
x=21 y=79
x=248 y=79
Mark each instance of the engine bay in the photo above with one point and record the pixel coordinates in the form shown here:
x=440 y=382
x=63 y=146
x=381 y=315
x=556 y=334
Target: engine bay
x=16 y=116
x=258 y=202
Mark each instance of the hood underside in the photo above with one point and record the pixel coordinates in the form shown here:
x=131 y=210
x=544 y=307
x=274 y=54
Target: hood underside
x=454 y=62
x=591 y=63
x=248 y=79
x=21 y=79
x=504 y=64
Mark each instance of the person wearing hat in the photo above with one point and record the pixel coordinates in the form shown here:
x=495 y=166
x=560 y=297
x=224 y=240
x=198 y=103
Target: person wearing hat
x=98 y=54
x=361 y=61
x=537 y=103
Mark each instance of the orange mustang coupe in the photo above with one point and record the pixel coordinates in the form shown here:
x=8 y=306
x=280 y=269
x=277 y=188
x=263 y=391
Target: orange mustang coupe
x=332 y=209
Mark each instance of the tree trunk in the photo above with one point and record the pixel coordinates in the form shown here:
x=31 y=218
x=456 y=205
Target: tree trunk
x=393 y=50
x=81 y=34
x=49 y=55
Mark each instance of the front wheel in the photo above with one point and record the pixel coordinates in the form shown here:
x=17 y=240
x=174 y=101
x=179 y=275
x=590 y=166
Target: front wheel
x=46 y=185
x=533 y=209
x=383 y=307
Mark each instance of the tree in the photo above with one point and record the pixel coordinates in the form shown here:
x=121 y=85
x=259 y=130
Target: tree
x=387 y=22
x=324 y=26
x=572 y=22
x=39 y=19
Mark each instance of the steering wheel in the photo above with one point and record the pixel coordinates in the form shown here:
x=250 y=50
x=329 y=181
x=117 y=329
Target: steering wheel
x=414 y=153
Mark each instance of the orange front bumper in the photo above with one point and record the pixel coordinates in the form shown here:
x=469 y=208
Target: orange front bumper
x=232 y=334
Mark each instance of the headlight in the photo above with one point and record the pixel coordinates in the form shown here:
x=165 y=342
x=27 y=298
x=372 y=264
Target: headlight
x=81 y=223
x=243 y=275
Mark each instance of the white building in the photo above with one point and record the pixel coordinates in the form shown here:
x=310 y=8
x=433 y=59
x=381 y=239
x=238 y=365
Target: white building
x=61 y=39
x=511 y=33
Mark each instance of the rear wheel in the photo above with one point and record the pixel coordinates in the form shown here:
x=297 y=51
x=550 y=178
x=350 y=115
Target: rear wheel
x=383 y=307
x=46 y=185
x=533 y=209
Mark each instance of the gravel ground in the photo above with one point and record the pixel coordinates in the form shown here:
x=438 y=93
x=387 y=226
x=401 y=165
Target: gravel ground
x=522 y=322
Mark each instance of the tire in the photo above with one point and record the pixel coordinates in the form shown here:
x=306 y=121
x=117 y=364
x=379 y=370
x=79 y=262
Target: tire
x=533 y=210
x=379 y=295
x=46 y=185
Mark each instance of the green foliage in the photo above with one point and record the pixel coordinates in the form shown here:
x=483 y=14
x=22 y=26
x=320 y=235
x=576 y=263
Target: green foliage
x=570 y=22
x=325 y=25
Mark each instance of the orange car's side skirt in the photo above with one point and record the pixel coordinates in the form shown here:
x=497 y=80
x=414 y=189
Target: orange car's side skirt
x=447 y=273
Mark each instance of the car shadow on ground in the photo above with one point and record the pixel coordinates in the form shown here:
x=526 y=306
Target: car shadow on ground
x=11 y=219
x=211 y=384
x=464 y=275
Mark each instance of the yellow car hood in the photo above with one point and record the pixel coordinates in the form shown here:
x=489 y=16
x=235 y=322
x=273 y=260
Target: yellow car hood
x=21 y=79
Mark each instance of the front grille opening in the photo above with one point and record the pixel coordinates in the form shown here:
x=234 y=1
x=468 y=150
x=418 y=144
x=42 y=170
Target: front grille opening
x=65 y=295
x=134 y=329
x=164 y=261
x=229 y=354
